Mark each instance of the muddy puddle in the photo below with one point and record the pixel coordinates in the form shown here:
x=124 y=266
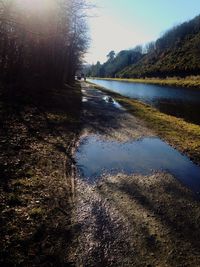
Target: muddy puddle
x=84 y=99
x=110 y=100
x=105 y=98
x=97 y=156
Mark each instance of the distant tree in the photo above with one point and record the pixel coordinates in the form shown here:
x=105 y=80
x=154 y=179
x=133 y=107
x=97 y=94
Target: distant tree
x=114 y=64
x=149 y=47
x=111 y=55
x=138 y=49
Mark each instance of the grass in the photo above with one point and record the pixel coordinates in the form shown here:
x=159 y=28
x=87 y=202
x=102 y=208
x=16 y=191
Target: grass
x=190 y=82
x=36 y=212
x=180 y=134
x=39 y=129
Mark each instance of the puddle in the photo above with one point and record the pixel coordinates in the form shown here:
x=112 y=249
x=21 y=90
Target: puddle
x=84 y=99
x=109 y=99
x=96 y=157
x=117 y=105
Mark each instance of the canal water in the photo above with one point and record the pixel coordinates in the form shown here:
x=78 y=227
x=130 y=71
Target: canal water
x=177 y=101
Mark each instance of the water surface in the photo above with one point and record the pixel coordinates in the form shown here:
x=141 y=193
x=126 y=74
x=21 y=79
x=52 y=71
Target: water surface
x=96 y=156
x=177 y=101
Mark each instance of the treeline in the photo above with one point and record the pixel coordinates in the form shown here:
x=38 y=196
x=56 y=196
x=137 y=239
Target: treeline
x=115 y=63
x=42 y=39
x=176 y=53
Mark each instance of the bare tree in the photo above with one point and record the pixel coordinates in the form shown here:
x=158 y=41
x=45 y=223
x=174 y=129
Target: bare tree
x=47 y=43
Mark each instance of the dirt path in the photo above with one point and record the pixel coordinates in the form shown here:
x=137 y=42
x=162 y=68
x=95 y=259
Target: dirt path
x=133 y=220
x=109 y=119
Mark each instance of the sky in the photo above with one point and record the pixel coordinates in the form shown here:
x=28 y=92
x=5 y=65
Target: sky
x=123 y=24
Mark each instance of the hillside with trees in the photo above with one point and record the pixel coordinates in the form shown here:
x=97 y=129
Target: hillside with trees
x=176 y=53
x=115 y=63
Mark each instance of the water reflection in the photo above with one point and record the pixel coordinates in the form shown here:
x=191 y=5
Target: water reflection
x=96 y=156
x=180 y=102
x=84 y=99
x=110 y=100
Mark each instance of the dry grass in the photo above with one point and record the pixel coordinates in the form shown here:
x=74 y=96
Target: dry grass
x=190 y=82
x=38 y=134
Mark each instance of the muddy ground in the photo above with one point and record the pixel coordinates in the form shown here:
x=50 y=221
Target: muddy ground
x=131 y=220
x=51 y=217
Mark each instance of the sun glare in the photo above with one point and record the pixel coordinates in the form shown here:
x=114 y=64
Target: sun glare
x=36 y=5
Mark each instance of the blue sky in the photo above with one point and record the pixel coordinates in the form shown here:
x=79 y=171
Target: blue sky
x=123 y=24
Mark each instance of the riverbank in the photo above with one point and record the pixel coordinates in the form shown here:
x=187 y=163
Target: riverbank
x=189 y=82
x=181 y=135
x=39 y=128
x=128 y=220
